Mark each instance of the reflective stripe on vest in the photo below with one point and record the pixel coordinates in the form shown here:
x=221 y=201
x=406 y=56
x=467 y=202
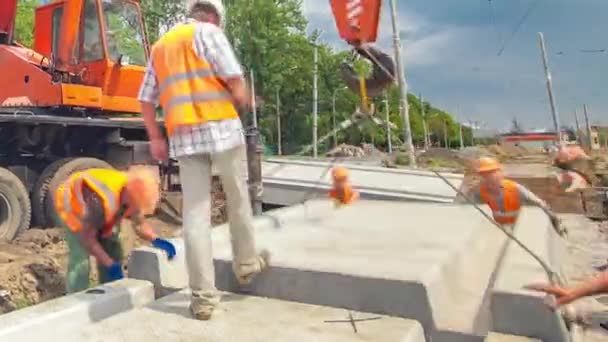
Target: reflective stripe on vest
x=190 y=92
x=106 y=183
x=506 y=209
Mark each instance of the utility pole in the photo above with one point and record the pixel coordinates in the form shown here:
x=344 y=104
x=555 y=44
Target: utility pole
x=278 y=106
x=388 y=123
x=445 y=134
x=424 y=127
x=460 y=135
x=578 y=127
x=407 y=131
x=588 y=127
x=556 y=124
x=315 y=104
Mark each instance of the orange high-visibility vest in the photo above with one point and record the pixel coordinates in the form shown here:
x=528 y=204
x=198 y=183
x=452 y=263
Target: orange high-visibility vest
x=190 y=92
x=511 y=203
x=346 y=196
x=106 y=183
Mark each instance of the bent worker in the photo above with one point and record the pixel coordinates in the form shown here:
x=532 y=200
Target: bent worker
x=92 y=204
x=505 y=196
x=564 y=295
x=342 y=191
x=194 y=74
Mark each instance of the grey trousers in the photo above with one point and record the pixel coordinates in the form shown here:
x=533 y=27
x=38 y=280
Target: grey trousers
x=195 y=176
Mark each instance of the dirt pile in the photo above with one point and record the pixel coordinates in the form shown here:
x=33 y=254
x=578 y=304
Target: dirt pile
x=344 y=150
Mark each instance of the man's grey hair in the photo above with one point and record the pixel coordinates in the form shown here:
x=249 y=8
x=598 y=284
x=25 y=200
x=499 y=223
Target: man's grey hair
x=202 y=10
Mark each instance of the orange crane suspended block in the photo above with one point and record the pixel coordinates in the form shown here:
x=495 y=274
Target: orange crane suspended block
x=357 y=20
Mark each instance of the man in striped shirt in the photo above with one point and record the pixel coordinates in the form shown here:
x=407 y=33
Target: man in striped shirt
x=195 y=76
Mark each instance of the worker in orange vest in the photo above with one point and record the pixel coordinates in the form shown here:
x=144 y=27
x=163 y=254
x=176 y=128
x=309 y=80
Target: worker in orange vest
x=92 y=204
x=505 y=196
x=342 y=191
x=195 y=76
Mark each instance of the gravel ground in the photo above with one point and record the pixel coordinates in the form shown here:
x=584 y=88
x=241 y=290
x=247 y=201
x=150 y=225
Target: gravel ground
x=587 y=247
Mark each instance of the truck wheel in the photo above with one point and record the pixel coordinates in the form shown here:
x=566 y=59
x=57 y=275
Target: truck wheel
x=15 y=207
x=41 y=190
x=62 y=173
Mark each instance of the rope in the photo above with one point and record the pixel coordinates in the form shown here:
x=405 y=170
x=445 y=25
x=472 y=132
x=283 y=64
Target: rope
x=554 y=278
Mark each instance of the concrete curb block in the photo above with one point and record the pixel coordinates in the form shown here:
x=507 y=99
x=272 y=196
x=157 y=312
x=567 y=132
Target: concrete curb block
x=43 y=321
x=520 y=312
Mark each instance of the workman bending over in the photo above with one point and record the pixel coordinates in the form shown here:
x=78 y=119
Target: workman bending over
x=194 y=74
x=505 y=196
x=92 y=204
x=342 y=191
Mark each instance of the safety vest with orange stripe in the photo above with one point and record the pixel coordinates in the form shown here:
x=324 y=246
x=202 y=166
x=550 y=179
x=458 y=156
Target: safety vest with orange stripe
x=346 y=196
x=506 y=209
x=106 y=183
x=190 y=92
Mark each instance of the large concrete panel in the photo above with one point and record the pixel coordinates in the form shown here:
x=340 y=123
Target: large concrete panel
x=495 y=337
x=288 y=182
x=521 y=312
x=246 y=319
x=430 y=262
x=49 y=320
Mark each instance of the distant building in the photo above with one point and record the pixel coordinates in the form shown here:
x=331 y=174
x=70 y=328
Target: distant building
x=535 y=140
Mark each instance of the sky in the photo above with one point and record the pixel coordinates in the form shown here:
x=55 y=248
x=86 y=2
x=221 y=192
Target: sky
x=451 y=56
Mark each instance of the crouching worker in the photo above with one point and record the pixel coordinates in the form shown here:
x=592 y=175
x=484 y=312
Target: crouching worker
x=342 y=191
x=505 y=196
x=91 y=204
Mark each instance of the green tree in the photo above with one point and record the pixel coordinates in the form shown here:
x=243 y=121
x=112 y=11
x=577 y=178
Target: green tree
x=24 y=23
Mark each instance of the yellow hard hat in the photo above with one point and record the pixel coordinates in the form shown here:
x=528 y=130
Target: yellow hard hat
x=487 y=164
x=143 y=186
x=339 y=173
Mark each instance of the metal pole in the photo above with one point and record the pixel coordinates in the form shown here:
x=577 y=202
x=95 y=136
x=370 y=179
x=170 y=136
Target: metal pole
x=333 y=118
x=388 y=123
x=556 y=124
x=460 y=135
x=424 y=127
x=407 y=132
x=254 y=169
x=255 y=111
x=445 y=134
x=578 y=127
x=315 y=108
x=279 y=146
x=587 y=127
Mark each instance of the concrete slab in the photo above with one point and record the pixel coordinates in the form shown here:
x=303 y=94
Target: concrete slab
x=495 y=337
x=287 y=182
x=428 y=262
x=58 y=316
x=517 y=311
x=245 y=319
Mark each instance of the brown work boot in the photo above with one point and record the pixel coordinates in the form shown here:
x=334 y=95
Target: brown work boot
x=245 y=272
x=202 y=313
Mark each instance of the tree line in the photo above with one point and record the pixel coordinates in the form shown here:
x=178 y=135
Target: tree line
x=270 y=39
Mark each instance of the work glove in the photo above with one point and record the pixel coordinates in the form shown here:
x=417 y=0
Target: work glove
x=114 y=272
x=165 y=246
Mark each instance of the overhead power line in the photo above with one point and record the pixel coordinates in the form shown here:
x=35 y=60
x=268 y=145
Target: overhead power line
x=519 y=25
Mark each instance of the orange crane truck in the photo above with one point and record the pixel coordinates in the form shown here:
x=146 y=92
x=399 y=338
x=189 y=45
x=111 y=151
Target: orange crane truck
x=68 y=103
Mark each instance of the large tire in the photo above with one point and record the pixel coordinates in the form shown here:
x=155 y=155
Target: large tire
x=62 y=173
x=15 y=207
x=41 y=190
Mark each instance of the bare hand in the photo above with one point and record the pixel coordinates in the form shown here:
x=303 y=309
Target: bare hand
x=159 y=149
x=563 y=295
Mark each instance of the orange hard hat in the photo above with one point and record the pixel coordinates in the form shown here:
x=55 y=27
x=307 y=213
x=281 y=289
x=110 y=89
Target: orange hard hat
x=143 y=187
x=487 y=164
x=339 y=173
